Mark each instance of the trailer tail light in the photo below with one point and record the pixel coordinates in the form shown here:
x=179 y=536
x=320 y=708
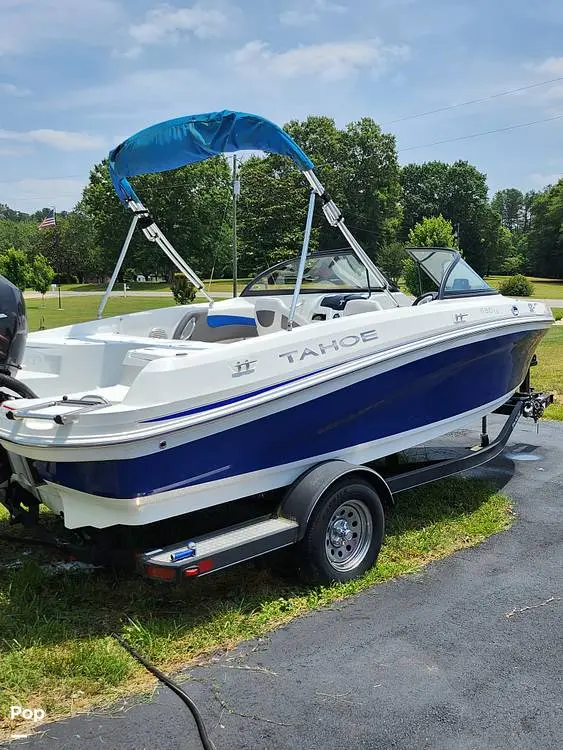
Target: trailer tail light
x=160 y=573
x=203 y=566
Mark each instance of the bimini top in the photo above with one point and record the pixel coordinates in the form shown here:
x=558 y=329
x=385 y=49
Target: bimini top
x=186 y=140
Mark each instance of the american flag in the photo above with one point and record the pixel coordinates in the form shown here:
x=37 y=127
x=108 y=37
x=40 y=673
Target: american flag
x=48 y=221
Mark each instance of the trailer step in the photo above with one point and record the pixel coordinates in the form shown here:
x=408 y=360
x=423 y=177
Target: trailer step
x=206 y=554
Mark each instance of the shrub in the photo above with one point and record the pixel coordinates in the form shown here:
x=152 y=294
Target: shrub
x=517 y=286
x=184 y=292
x=129 y=276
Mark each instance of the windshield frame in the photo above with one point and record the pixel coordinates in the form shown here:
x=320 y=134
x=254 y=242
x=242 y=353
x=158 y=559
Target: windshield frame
x=444 y=293
x=368 y=289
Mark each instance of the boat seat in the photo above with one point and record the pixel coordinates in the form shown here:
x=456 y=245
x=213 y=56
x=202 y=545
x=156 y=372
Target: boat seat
x=272 y=314
x=229 y=320
x=355 y=306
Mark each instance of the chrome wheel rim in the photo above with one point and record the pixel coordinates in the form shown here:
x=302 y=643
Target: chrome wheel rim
x=348 y=535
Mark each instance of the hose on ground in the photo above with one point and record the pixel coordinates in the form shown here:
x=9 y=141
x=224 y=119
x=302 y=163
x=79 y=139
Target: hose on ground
x=204 y=737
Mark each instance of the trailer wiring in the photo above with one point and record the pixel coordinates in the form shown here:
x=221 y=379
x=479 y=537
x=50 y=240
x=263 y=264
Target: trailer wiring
x=206 y=742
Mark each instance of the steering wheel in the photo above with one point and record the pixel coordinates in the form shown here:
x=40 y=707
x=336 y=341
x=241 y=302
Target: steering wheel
x=424 y=298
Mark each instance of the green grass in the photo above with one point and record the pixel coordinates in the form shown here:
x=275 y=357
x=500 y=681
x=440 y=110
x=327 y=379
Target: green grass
x=78 y=309
x=548 y=375
x=557 y=313
x=137 y=286
x=543 y=288
x=55 y=649
x=217 y=285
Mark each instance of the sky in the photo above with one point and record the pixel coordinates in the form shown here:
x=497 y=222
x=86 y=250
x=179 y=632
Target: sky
x=79 y=76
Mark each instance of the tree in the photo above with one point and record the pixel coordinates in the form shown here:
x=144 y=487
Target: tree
x=458 y=192
x=41 y=274
x=189 y=204
x=15 y=267
x=509 y=203
x=432 y=231
x=391 y=260
x=546 y=232
x=357 y=165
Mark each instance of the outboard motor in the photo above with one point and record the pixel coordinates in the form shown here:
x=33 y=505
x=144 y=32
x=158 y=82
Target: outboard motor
x=13 y=328
x=13 y=335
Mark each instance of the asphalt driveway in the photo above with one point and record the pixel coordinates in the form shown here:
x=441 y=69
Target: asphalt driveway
x=464 y=656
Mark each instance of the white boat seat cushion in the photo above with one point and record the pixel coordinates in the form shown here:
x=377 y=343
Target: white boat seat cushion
x=355 y=306
x=272 y=314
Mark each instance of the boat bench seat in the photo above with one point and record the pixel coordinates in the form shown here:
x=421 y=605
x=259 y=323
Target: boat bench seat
x=355 y=306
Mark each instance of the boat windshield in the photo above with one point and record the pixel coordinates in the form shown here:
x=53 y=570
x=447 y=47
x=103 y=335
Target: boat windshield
x=330 y=271
x=451 y=274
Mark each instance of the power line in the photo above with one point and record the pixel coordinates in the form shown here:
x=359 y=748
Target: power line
x=472 y=101
x=477 y=135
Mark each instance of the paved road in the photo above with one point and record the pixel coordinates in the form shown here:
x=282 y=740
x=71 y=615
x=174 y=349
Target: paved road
x=54 y=295
x=464 y=656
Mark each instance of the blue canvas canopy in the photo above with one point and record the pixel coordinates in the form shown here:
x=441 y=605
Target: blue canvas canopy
x=186 y=140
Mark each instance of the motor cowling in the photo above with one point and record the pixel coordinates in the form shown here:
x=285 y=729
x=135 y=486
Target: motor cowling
x=13 y=327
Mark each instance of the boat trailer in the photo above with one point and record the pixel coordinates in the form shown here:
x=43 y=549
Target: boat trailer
x=333 y=515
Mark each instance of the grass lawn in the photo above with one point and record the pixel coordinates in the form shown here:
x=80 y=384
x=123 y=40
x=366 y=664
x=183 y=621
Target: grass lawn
x=548 y=375
x=55 y=649
x=78 y=309
x=543 y=288
x=217 y=285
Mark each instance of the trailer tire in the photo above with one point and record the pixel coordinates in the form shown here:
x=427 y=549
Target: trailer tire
x=344 y=534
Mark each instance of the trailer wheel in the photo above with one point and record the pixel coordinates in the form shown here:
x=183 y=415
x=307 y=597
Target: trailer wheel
x=344 y=534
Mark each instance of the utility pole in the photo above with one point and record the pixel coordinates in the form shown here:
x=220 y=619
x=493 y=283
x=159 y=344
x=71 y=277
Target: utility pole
x=236 y=193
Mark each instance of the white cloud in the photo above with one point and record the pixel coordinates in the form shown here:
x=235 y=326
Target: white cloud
x=329 y=60
x=25 y=24
x=302 y=17
x=551 y=66
x=166 y=23
x=60 y=139
x=10 y=90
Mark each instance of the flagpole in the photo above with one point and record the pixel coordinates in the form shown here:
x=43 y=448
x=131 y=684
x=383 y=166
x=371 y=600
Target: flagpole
x=56 y=247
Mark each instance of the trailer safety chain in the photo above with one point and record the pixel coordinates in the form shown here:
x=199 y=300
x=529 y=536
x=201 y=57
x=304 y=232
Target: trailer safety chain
x=203 y=735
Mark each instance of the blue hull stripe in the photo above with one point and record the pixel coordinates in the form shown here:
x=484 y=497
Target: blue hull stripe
x=427 y=390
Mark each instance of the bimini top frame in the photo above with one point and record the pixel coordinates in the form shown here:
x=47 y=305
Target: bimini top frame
x=187 y=140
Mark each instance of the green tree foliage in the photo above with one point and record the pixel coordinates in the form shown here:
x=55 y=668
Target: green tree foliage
x=509 y=203
x=69 y=247
x=41 y=274
x=189 y=204
x=546 y=233
x=517 y=286
x=458 y=192
x=432 y=231
x=14 y=266
x=391 y=259
x=357 y=165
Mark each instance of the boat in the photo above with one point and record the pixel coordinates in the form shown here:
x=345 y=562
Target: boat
x=130 y=420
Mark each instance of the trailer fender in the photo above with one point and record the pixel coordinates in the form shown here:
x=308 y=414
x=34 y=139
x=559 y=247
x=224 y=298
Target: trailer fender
x=302 y=497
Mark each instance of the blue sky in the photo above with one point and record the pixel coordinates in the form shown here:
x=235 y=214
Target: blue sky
x=78 y=76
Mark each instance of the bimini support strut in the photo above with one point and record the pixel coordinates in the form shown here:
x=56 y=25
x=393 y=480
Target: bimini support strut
x=119 y=263
x=304 y=251
x=153 y=233
x=335 y=219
